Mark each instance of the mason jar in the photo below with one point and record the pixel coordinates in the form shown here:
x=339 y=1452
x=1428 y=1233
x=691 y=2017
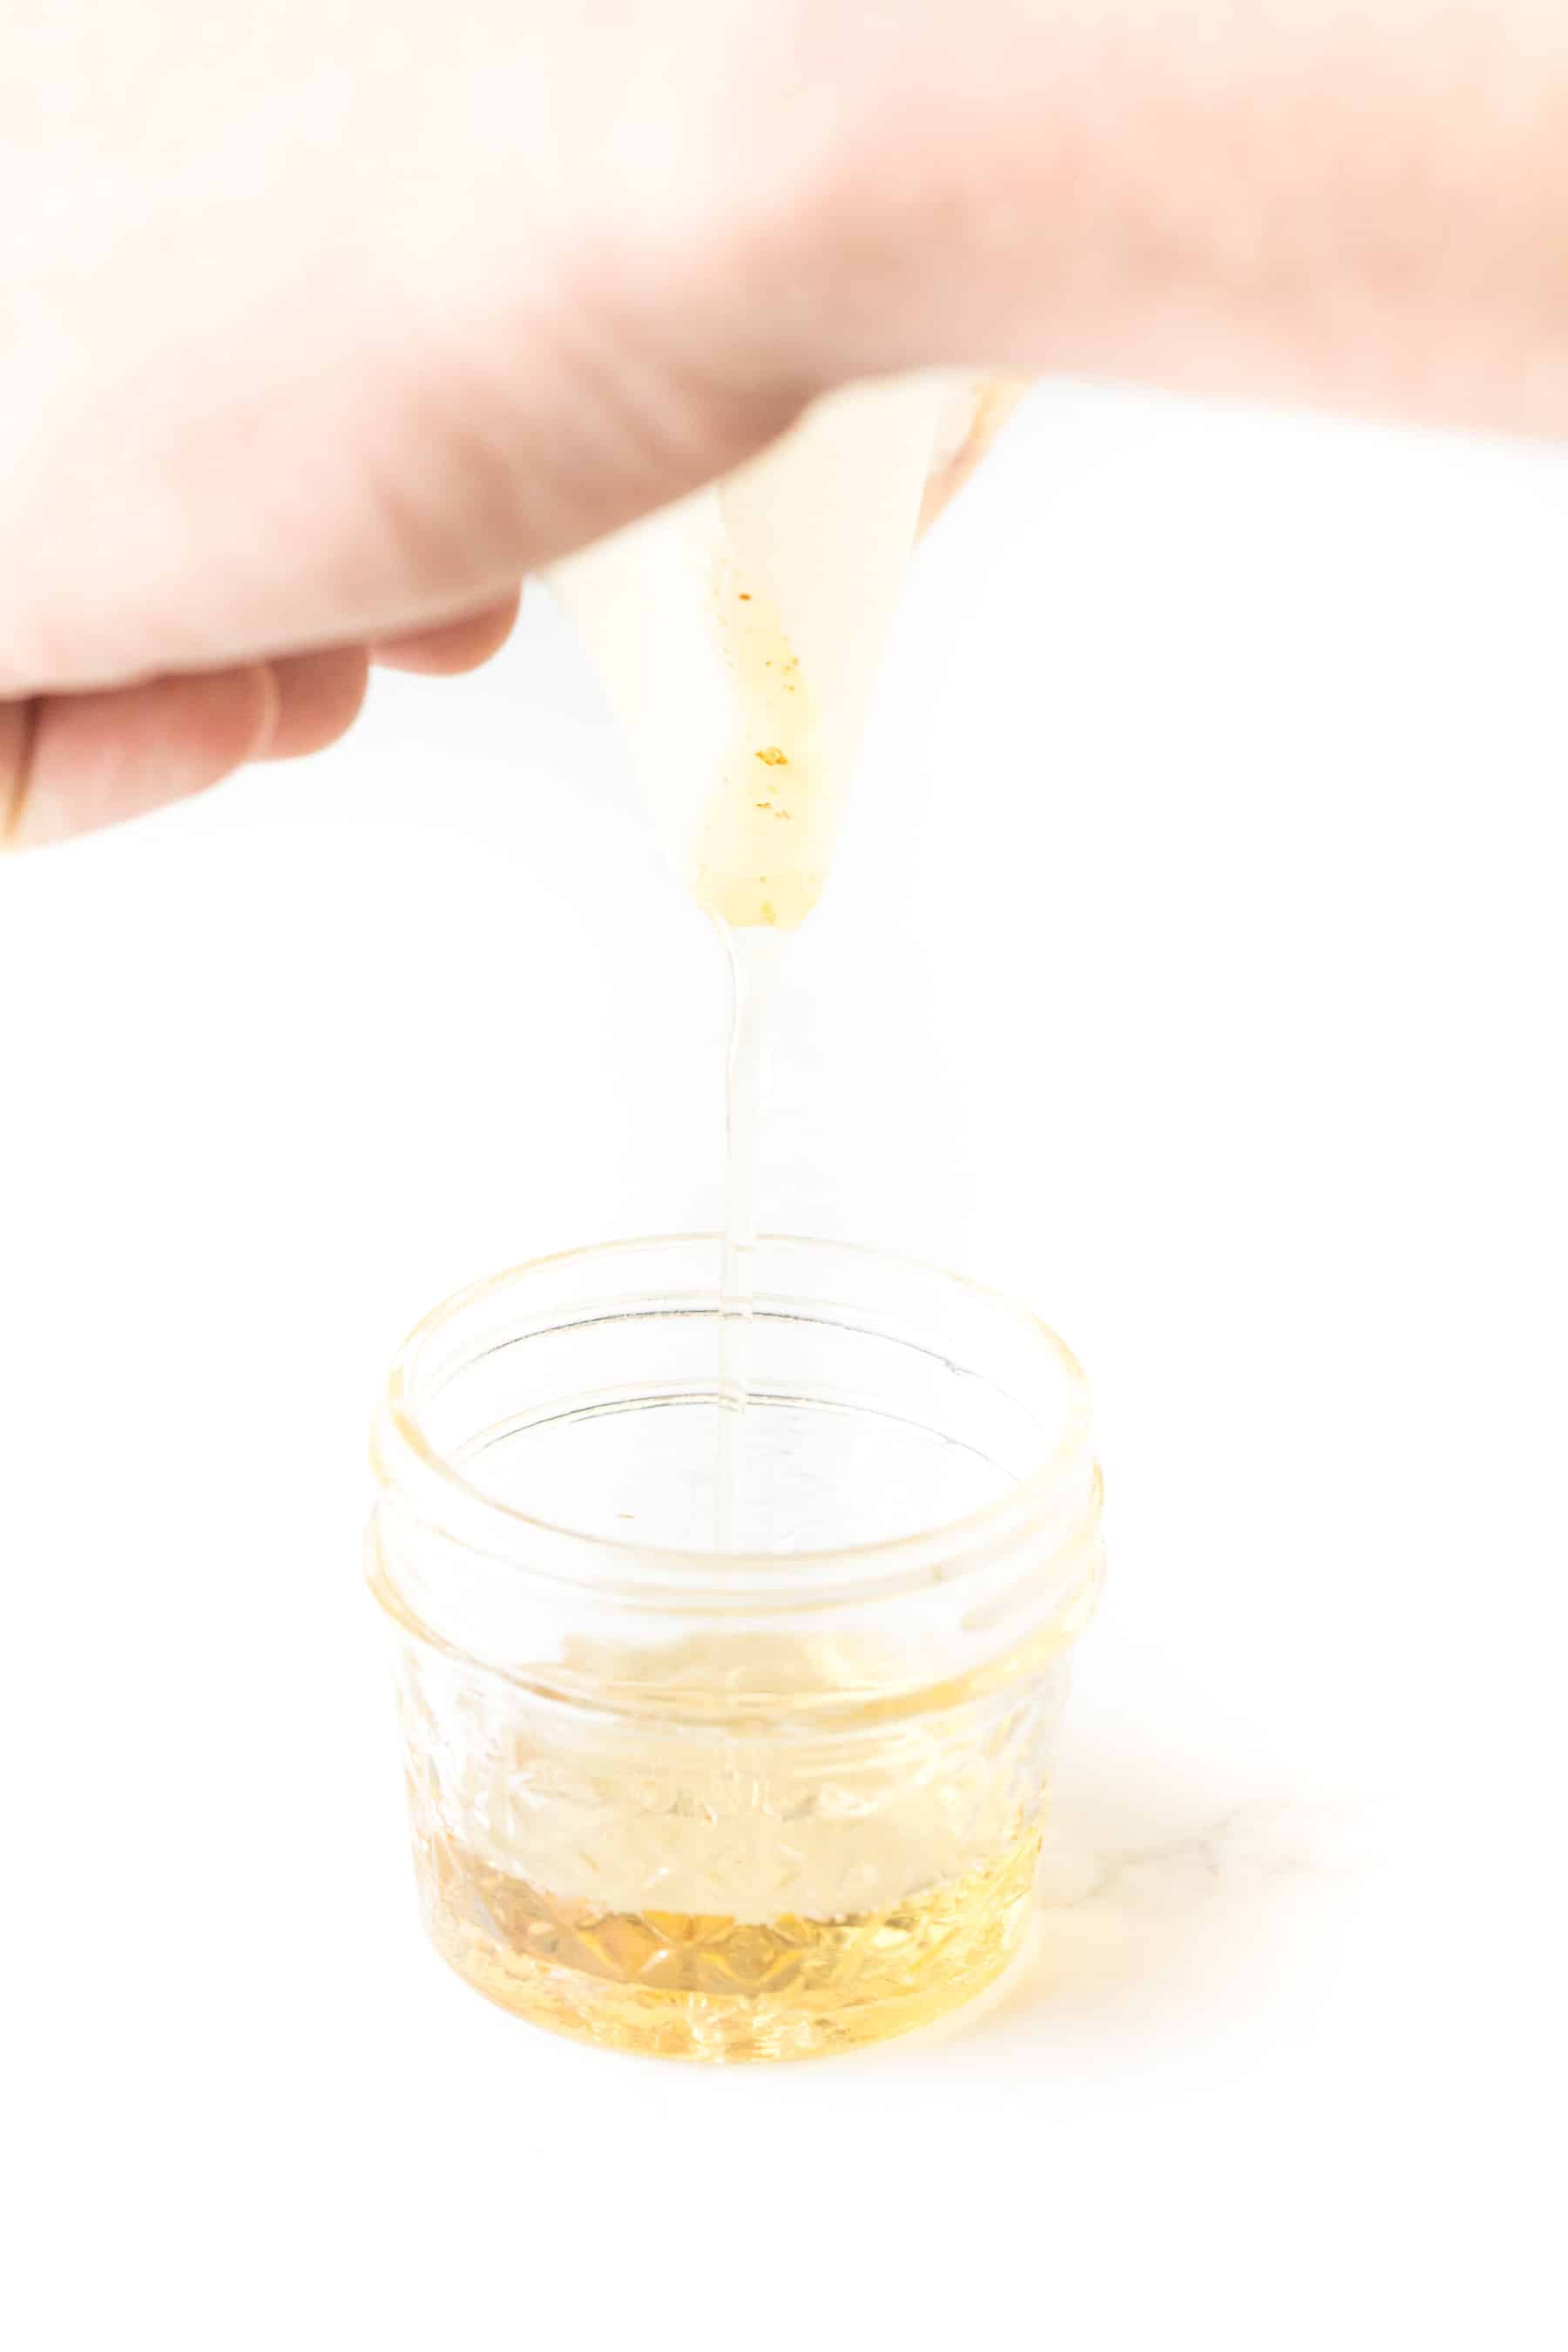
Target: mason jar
x=752 y=1803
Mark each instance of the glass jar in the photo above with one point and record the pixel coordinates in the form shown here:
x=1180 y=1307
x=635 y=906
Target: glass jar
x=753 y=1804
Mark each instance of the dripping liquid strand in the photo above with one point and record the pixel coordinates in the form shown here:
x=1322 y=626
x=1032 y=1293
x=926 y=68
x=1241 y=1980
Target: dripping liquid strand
x=753 y=952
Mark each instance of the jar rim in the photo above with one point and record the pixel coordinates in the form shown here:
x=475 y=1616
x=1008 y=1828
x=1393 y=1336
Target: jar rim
x=399 y=1428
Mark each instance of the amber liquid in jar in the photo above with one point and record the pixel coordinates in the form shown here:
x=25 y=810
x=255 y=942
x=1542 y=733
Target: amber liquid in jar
x=707 y=1869
x=706 y=1985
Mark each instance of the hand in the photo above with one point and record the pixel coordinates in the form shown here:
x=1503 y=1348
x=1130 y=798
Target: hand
x=72 y=763
x=323 y=321
x=353 y=316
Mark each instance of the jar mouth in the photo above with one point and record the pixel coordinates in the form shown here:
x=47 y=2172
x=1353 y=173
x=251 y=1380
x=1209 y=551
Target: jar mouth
x=1051 y=1491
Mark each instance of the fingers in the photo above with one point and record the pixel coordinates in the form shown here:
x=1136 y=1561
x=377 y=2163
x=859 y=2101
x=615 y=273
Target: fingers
x=72 y=763
x=319 y=697
x=456 y=646
x=75 y=763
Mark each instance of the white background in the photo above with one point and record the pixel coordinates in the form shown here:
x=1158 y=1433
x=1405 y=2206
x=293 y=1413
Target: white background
x=1195 y=967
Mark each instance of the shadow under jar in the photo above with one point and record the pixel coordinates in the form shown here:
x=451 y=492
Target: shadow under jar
x=752 y=1804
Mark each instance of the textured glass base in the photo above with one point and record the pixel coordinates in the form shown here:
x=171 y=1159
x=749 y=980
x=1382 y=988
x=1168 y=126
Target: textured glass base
x=672 y=1984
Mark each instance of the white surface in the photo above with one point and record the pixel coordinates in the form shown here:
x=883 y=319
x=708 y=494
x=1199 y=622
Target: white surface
x=1195 y=966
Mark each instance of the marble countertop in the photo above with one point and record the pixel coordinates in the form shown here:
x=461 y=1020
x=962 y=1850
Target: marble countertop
x=1194 y=968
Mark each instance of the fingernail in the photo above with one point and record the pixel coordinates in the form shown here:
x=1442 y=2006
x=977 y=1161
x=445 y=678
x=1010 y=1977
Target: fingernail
x=16 y=744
